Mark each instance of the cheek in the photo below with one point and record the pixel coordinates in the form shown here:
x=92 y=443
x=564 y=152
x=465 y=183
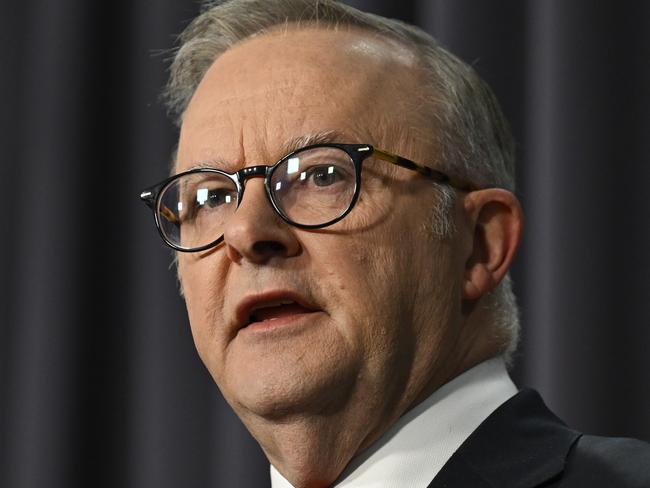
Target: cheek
x=203 y=289
x=361 y=280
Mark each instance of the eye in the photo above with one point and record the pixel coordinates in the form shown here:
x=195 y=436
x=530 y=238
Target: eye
x=325 y=175
x=321 y=170
x=217 y=197
x=208 y=200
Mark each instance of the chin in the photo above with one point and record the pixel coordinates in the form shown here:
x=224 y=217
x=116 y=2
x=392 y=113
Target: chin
x=283 y=388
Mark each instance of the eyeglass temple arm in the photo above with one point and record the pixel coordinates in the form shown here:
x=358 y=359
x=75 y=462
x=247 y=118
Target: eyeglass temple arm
x=438 y=176
x=149 y=198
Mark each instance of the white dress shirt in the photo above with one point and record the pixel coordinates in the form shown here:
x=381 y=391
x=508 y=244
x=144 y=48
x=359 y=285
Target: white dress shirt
x=413 y=451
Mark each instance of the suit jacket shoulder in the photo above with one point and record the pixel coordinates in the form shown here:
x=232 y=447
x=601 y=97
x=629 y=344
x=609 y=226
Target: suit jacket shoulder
x=602 y=461
x=523 y=444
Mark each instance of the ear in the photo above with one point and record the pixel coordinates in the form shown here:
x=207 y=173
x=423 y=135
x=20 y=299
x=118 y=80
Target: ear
x=495 y=219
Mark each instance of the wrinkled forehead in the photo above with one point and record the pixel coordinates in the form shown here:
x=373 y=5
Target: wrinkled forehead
x=296 y=81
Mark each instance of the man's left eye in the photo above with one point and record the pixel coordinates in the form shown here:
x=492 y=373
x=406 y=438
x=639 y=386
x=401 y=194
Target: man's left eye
x=325 y=175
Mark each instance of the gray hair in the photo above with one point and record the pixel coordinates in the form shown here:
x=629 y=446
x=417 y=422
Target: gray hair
x=471 y=132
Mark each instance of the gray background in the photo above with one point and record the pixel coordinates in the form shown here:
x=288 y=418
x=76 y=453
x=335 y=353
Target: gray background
x=99 y=381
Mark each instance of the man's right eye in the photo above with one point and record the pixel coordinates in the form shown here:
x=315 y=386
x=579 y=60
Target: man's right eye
x=208 y=200
x=217 y=197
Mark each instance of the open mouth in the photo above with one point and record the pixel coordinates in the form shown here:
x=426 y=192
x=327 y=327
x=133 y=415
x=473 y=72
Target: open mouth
x=272 y=309
x=286 y=308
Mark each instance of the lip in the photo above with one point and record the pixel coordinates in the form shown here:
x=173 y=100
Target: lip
x=249 y=303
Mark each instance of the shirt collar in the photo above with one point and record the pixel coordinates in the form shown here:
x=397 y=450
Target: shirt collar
x=416 y=447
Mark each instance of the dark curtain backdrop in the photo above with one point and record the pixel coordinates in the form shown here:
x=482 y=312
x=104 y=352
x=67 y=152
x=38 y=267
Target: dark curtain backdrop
x=99 y=381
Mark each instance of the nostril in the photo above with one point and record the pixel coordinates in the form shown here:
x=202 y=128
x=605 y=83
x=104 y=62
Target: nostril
x=266 y=248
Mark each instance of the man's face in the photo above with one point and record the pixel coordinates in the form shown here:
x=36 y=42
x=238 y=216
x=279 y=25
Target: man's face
x=363 y=310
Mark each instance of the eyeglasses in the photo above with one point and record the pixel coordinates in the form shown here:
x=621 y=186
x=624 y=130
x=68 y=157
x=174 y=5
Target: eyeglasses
x=310 y=188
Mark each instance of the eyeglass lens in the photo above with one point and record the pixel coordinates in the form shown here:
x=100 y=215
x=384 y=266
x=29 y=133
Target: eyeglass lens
x=312 y=187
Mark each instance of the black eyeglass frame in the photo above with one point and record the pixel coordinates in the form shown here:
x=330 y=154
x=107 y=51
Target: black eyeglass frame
x=357 y=152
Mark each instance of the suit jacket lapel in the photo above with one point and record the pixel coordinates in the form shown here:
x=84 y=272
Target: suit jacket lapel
x=522 y=444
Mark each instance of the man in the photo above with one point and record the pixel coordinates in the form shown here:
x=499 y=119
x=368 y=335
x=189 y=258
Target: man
x=342 y=206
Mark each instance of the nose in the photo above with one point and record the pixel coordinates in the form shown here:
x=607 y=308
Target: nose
x=256 y=233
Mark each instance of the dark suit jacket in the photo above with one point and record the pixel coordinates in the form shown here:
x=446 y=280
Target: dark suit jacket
x=523 y=445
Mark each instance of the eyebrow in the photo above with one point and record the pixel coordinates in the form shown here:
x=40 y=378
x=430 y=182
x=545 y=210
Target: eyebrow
x=323 y=137
x=291 y=145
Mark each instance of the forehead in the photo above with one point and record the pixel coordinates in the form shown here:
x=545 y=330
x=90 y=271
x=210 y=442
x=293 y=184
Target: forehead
x=292 y=83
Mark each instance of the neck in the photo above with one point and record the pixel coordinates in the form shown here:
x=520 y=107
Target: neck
x=311 y=451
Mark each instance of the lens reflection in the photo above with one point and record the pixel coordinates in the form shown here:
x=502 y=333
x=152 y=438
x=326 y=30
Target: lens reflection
x=204 y=202
x=314 y=186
